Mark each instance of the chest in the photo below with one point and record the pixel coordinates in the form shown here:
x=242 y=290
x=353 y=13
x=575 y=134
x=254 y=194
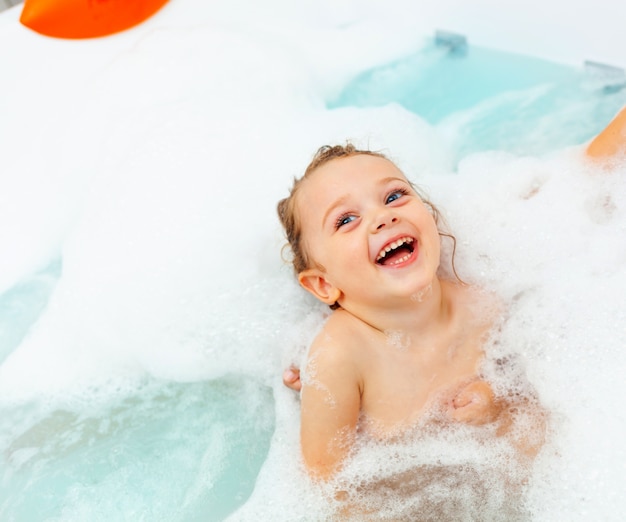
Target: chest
x=401 y=385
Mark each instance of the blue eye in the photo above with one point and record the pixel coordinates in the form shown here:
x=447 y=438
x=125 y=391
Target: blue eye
x=395 y=194
x=344 y=219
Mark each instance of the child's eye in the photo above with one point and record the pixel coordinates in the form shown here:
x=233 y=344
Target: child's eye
x=395 y=194
x=344 y=219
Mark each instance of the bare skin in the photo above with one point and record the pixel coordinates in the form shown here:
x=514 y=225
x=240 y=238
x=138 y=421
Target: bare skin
x=611 y=142
x=355 y=371
x=607 y=144
x=474 y=400
x=404 y=341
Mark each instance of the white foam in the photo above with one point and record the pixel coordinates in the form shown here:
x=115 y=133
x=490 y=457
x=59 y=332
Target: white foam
x=152 y=161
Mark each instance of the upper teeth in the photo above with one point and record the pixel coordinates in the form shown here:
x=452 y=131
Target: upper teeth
x=393 y=246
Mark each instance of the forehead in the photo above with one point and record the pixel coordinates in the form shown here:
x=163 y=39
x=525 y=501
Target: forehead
x=348 y=172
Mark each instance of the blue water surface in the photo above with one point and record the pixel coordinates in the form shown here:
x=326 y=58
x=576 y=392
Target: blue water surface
x=486 y=99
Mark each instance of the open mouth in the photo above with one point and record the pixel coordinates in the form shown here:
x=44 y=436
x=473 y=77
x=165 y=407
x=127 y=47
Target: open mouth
x=396 y=252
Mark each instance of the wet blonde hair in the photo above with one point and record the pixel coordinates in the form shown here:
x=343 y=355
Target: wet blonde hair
x=290 y=218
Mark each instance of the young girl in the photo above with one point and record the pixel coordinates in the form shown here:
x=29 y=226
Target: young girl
x=402 y=341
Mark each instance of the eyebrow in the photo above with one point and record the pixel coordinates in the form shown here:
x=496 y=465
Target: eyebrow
x=345 y=198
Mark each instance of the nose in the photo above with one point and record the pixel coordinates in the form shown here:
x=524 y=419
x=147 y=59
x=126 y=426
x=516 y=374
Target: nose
x=385 y=219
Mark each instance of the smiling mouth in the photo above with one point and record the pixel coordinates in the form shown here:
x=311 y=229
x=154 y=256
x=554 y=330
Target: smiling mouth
x=396 y=252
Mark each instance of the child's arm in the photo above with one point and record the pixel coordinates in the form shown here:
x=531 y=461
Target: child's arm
x=330 y=405
x=611 y=141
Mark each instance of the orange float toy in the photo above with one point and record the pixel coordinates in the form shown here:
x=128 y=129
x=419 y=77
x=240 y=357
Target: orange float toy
x=86 y=18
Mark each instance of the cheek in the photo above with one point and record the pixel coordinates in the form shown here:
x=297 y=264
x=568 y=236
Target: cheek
x=438 y=248
x=433 y=235
x=353 y=248
x=340 y=259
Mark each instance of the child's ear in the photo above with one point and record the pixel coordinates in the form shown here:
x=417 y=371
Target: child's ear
x=313 y=280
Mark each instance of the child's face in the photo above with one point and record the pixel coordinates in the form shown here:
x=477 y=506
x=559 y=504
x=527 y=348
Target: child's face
x=369 y=234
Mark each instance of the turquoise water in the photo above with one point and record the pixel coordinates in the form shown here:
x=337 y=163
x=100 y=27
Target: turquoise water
x=193 y=451
x=492 y=100
x=23 y=304
x=172 y=452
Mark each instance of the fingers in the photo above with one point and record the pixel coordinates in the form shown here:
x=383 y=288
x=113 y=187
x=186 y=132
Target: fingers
x=477 y=392
x=475 y=404
x=291 y=379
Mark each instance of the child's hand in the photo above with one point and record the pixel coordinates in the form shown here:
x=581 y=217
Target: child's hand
x=475 y=404
x=291 y=378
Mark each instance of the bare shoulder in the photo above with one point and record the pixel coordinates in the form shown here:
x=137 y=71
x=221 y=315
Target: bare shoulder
x=333 y=354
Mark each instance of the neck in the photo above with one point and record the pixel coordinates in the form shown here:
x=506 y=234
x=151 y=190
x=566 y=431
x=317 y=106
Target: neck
x=419 y=316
